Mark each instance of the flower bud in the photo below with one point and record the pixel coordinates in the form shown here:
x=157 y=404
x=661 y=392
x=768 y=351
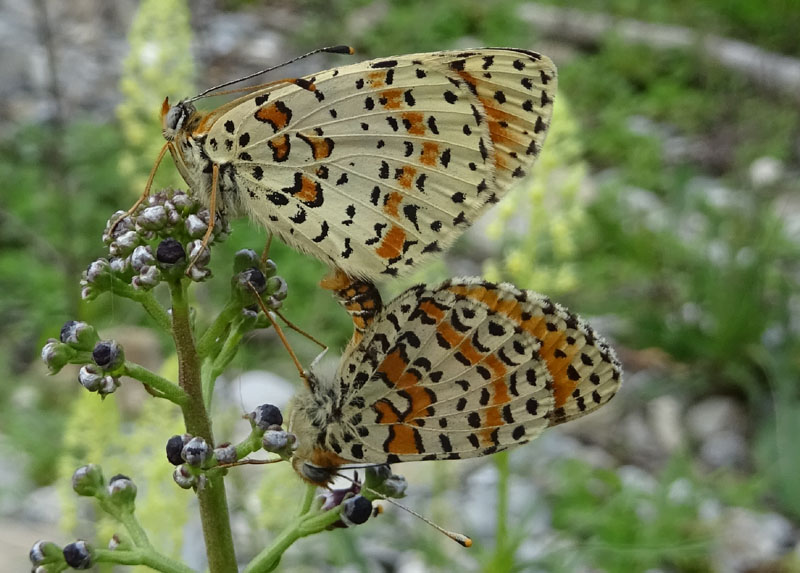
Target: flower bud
x=196 y=451
x=153 y=218
x=270 y=268
x=250 y=279
x=199 y=253
x=119 y=265
x=124 y=244
x=44 y=552
x=93 y=379
x=98 y=273
x=245 y=259
x=277 y=287
x=147 y=278
x=122 y=490
x=225 y=454
x=78 y=555
x=184 y=477
x=56 y=355
x=170 y=252
x=174 y=448
x=88 y=480
x=279 y=442
x=108 y=355
x=114 y=542
x=266 y=415
x=142 y=257
x=79 y=335
x=195 y=226
x=356 y=510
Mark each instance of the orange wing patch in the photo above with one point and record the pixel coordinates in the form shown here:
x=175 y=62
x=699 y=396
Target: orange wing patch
x=392 y=244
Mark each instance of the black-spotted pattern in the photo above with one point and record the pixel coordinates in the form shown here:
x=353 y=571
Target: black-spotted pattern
x=464 y=369
x=376 y=166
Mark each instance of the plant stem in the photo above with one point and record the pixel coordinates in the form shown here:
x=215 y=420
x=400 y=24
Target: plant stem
x=306 y=524
x=147 y=557
x=502 y=559
x=167 y=389
x=212 y=499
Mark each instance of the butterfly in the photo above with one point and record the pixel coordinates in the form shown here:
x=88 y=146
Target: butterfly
x=372 y=167
x=463 y=369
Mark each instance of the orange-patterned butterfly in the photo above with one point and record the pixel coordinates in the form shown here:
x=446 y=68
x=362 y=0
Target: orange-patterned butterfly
x=371 y=167
x=463 y=369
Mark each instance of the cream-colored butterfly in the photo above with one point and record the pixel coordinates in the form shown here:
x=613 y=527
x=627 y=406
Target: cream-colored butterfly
x=371 y=167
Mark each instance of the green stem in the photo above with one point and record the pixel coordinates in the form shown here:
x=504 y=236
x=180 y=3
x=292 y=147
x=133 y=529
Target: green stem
x=217 y=328
x=211 y=497
x=308 y=498
x=502 y=559
x=147 y=557
x=146 y=299
x=304 y=525
x=167 y=389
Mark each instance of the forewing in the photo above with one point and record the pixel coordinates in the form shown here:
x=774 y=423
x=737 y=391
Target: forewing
x=375 y=166
x=467 y=369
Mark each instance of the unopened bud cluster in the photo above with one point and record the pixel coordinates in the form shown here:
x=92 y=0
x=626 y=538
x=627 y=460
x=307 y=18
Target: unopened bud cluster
x=103 y=360
x=254 y=277
x=158 y=240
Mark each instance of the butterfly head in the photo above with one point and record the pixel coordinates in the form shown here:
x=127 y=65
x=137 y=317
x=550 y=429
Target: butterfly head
x=310 y=472
x=176 y=117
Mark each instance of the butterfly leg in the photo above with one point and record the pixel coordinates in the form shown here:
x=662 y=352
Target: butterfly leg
x=146 y=192
x=359 y=298
x=212 y=215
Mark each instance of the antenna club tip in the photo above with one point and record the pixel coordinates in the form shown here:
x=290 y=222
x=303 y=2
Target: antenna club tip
x=341 y=50
x=467 y=542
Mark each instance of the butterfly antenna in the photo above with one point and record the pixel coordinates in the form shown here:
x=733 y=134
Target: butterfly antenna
x=299 y=330
x=279 y=331
x=459 y=538
x=329 y=50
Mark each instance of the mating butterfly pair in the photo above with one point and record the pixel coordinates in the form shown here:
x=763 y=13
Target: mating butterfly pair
x=373 y=168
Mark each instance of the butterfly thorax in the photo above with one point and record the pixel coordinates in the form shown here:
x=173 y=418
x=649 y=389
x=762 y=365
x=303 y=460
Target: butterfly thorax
x=186 y=131
x=316 y=420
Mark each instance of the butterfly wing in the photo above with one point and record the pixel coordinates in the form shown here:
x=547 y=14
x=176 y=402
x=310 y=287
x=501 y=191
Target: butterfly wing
x=375 y=166
x=462 y=370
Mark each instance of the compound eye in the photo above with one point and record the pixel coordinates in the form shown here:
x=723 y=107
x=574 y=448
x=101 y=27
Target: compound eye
x=317 y=474
x=175 y=117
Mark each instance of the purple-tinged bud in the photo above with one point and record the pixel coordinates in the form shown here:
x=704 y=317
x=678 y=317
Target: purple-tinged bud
x=114 y=542
x=98 y=273
x=277 y=287
x=270 y=268
x=170 y=252
x=119 y=265
x=356 y=510
x=124 y=244
x=44 y=552
x=88 y=480
x=79 y=335
x=184 y=477
x=142 y=257
x=121 y=490
x=147 y=278
x=196 y=451
x=198 y=274
x=225 y=454
x=56 y=355
x=266 y=415
x=251 y=277
x=196 y=227
x=153 y=218
x=279 y=442
x=108 y=355
x=245 y=259
x=78 y=554
x=199 y=253
x=93 y=379
x=175 y=446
